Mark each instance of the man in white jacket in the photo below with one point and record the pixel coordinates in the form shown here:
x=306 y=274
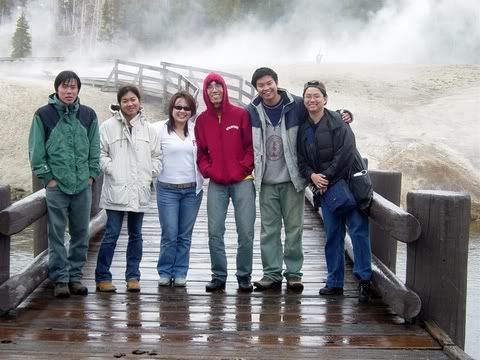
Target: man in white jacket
x=130 y=159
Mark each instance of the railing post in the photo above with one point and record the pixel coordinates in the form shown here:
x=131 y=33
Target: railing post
x=40 y=231
x=164 y=67
x=116 y=73
x=4 y=239
x=388 y=184
x=437 y=261
x=96 y=192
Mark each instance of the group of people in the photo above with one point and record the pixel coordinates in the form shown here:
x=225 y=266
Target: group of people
x=275 y=147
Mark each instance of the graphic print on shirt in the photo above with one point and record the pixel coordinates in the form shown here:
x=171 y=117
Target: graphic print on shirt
x=274 y=147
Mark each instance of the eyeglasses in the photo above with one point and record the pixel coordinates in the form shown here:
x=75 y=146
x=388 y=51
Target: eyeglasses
x=184 y=108
x=214 y=85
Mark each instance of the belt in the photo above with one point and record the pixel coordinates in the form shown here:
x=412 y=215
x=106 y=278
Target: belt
x=178 y=186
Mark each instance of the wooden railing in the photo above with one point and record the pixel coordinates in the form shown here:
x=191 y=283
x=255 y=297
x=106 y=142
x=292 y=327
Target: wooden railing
x=240 y=91
x=14 y=218
x=435 y=228
x=152 y=80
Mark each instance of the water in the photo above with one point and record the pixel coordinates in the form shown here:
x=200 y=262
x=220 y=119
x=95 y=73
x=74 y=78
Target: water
x=21 y=249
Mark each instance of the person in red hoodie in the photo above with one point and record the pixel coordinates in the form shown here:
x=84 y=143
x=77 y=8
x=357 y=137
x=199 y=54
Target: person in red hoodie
x=225 y=156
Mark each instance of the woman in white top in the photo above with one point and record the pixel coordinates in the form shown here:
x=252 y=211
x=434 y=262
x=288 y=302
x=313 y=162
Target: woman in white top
x=130 y=159
x=179 y=189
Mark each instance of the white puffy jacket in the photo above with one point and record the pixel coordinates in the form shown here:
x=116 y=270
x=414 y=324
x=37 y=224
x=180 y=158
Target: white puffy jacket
x=129 y=161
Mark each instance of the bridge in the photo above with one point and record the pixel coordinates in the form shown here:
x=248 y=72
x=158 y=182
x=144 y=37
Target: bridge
x=423 y=318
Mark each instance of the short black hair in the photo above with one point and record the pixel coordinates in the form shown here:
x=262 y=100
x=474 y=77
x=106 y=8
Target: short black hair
x=125 y=89
x=261 y=72
x=65 y=76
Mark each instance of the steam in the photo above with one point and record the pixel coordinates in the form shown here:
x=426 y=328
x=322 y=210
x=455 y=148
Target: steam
x=389 y=31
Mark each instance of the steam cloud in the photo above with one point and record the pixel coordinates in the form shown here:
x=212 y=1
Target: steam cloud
x=396 y=31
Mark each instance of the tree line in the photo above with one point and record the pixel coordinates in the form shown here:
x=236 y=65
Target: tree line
x=88 y=23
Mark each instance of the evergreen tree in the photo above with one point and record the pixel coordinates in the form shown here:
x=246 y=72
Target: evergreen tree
x=21 y=40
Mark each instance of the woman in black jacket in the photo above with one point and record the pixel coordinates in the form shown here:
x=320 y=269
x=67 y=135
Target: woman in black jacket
x=326 y=153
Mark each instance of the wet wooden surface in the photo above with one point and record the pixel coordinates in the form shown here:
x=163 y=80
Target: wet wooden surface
x=188 y=323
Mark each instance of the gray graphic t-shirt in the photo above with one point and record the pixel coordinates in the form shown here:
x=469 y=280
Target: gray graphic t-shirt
x=276 y=171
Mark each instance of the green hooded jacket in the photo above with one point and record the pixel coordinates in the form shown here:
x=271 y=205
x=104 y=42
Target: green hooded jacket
x=71 y=154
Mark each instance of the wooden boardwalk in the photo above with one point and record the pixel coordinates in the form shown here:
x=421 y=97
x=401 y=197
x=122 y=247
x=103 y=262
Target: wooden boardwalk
x=189 y=323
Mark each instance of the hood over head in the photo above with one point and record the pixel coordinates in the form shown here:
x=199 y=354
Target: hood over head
x=218 y=79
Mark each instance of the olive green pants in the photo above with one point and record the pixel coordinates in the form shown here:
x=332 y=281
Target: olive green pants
x=281 y=203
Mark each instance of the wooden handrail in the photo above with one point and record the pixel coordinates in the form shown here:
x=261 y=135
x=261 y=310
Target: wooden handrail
x=241 y=97
x=23 y=213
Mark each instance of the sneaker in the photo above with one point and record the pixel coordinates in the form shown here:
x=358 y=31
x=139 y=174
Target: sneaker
x=133 y=285
x=61 y=290
x=294 y=283
x=164 y=281
x=180 y=282
x=363 y=291
x=105 y=286
x=266 y=283
x=215 y=285
x=331 y=291
x=244 y=284
x=77 y=288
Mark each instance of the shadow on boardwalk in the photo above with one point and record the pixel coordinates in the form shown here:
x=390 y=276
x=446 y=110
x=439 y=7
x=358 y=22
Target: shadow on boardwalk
x=192 y=324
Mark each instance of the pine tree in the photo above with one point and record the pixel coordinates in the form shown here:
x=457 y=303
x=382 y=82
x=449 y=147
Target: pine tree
x=21 y=40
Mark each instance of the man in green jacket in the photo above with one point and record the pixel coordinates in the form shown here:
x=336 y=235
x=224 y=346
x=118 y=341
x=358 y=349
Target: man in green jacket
x=64 y=150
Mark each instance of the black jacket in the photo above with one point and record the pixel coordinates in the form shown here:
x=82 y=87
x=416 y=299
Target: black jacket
x=332 y=151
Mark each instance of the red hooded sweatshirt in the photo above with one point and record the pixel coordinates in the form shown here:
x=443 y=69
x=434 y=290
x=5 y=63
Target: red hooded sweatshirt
x=224 y=139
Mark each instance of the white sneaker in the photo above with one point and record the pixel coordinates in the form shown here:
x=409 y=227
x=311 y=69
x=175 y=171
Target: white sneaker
x=164 y=281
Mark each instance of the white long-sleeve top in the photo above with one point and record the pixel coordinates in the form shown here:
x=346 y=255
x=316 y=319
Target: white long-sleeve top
x=179 y=157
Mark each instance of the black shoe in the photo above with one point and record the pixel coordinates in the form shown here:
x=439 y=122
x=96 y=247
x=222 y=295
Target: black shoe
x=215 y=285
x=294 y=283
x=331 y=291
x=77 y=288
x=61 y=290
x=266 y=283
x=244 y=284
x=363 y=291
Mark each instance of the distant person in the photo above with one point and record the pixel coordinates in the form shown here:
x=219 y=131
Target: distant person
x=276 y=116
x=130 y=159
x=64 y=152
x=326 y=153
x=179 y=189
x=225 y=156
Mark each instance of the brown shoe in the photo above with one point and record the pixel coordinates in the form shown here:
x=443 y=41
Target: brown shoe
x=294 y=283
x=106 y=286
x=133 y=285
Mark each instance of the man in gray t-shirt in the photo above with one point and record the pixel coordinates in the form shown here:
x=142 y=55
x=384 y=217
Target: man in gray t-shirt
x=276 y=116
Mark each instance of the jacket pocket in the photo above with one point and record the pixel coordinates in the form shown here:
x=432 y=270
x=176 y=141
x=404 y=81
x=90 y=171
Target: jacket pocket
x=116 y=194
x=144 y=194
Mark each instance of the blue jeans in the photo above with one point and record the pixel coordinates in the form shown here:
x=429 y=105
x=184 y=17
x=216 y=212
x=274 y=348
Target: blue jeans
x=335 y=226
x=177 y=211
x=243 y=199
x=109 y=242
x=74 y=209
